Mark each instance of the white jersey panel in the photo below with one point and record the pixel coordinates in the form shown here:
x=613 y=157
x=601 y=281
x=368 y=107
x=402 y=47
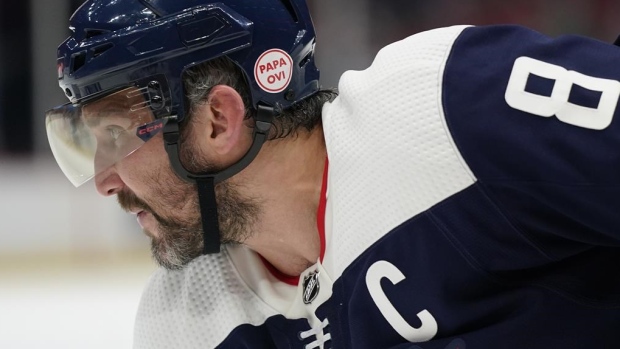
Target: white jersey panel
x=196 y=307
x=400 y=136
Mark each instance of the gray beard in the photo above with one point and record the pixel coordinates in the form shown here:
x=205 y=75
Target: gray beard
x=181 y=241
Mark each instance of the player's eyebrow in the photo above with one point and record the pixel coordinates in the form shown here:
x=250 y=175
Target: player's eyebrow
x=116 y=104
x=93 y=119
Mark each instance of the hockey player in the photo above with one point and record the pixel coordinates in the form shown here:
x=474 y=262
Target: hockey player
x=460 y=192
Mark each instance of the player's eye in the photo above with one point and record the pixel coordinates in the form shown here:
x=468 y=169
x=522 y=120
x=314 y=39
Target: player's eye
x=114 y=132
x=114 y=136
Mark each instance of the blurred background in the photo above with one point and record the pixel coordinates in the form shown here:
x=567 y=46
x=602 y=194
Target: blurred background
x=72 y=264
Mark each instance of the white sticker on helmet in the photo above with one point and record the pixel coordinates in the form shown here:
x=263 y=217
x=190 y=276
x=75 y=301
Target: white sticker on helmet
x=273 y=70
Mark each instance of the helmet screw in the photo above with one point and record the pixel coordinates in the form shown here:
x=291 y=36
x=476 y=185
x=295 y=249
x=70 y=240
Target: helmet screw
x=290 y=95
x=68 y=92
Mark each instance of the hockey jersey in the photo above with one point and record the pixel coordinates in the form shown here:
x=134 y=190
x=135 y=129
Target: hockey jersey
x=471 y=200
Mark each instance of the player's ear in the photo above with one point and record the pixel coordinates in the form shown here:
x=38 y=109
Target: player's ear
x=225 y=116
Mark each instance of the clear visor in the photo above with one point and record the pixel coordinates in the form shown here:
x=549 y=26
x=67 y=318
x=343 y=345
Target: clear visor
x=86 y=139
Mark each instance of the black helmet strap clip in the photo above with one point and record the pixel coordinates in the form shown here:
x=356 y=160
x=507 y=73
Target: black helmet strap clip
x=206 y=182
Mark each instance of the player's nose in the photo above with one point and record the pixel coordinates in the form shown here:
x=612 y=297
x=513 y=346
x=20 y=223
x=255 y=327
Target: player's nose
x=108 y=182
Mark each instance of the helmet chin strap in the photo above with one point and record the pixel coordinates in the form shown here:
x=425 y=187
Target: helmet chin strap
x=206 y=182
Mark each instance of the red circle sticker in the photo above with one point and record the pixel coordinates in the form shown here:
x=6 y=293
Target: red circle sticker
x=273 y=70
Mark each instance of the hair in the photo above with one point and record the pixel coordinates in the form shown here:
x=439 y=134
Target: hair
x=201 y=78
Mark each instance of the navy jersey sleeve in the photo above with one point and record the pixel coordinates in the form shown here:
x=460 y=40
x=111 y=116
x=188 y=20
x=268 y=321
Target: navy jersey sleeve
x=536 y=120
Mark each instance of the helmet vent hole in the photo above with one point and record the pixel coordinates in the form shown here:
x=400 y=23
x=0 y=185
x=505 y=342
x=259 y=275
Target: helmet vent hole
x=290 y=9
x=79 y=60
x=90 y=33
x=99 y=50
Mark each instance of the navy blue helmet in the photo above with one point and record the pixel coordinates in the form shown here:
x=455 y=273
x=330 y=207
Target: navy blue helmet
x=116 y=43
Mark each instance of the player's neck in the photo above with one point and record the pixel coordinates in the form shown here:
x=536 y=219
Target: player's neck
x=287 y=177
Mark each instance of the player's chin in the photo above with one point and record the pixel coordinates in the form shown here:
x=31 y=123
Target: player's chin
x=170 y=256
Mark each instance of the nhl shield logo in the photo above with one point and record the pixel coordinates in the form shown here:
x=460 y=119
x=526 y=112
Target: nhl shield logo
x=311 y=287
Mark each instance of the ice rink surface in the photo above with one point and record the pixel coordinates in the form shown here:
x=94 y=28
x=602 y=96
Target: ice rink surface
x=68 y=306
